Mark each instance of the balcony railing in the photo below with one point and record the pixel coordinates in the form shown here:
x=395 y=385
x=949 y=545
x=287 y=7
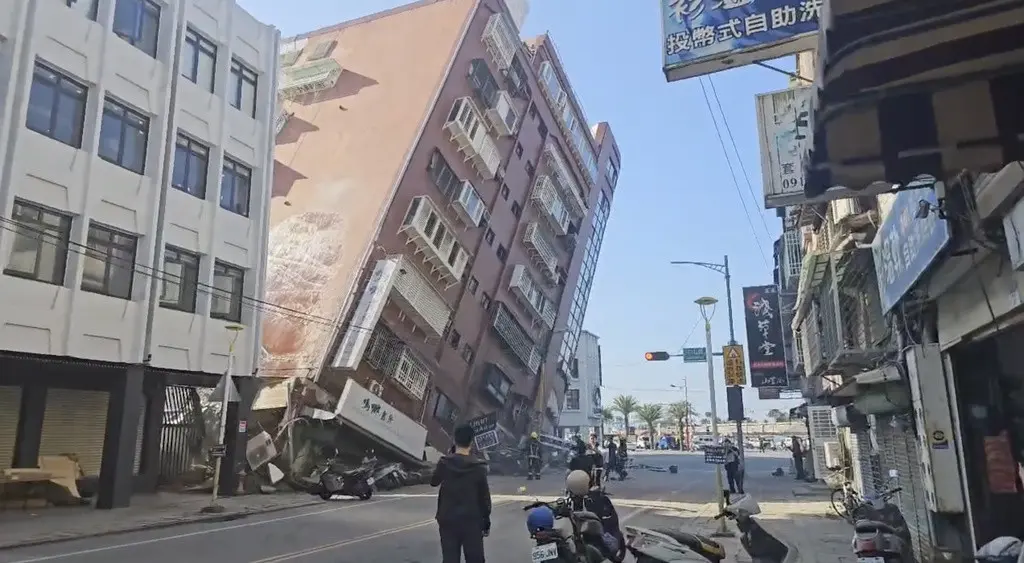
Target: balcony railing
x=517 y=338
x=530 y=293
x=280 y=119
x=469 y=131
x=502 y=114
x=391 y=357
x=501 y=40
x=572 y=125
x=564 y=179
x=545 y=195
x=418 y=299
x=311 y=77
x=435 y=240
x=541 y=250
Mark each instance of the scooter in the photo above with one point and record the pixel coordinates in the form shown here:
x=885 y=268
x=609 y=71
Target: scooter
x=761 y=546
x=356 y=482
x=877 y=542
x=582 y=543
x=671 y=546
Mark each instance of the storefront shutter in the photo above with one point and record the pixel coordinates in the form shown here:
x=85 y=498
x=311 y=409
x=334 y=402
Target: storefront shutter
x=10 y=411
x=900 y=453
x=75 y=423
x=139 y=435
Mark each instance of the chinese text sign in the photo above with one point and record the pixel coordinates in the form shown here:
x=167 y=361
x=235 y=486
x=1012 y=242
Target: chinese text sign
x=783 y=122
x=905 y=246
x=703 y=31
x=765 y=347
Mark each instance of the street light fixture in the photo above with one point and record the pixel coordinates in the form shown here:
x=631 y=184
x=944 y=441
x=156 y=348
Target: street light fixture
x=707 y=311
x=228 y=394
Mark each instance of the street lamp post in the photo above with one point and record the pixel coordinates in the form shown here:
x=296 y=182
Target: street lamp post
x=686 y=401
x=723 y=269
x=707 y=310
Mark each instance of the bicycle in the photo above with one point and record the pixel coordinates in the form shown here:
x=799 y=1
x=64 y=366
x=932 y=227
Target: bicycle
x=846 y=501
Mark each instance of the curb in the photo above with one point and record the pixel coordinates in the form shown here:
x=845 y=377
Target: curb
x=160 y=525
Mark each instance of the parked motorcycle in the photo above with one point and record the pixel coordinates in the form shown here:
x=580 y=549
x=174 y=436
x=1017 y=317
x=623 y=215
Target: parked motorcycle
x=878 y=542
x=388 y=476
x=671 y=546
x=335 y=480
x=759 y=544
x=584 y=542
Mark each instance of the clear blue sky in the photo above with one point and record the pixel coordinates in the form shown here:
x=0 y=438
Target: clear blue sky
x=675 y=199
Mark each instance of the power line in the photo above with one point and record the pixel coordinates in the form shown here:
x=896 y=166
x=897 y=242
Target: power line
x=732 y=172
x=739 y=158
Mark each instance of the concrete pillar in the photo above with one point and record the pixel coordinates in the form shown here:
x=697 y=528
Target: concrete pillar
x=123 y=412
x=149 y=467
x=30 y=426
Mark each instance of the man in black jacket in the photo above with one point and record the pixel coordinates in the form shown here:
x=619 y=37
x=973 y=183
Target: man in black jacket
x=463 y=502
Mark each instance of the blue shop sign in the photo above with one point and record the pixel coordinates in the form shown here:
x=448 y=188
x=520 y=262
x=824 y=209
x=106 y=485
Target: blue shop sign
x=905 y=246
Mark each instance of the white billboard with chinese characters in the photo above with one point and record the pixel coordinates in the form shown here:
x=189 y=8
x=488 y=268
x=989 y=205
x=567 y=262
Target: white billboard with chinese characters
x=368 y=311
x=376 y=417
x=783 y=131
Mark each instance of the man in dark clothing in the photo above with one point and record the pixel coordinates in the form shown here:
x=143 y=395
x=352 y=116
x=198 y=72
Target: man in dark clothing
x=534 y=449
x=798 y=459
x=463 y=502
x=613 y=456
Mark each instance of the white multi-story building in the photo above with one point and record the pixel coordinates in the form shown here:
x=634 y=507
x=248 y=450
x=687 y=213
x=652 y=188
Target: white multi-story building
x=582 y=412
x=137 y=151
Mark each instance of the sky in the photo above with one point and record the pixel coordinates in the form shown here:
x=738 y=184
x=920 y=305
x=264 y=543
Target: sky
x=675 y=200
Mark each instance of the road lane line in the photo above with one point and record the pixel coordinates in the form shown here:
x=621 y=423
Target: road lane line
x=196 y=533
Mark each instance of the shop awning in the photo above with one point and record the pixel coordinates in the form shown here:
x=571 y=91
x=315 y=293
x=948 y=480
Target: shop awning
x=812 y=272
x=915 y=89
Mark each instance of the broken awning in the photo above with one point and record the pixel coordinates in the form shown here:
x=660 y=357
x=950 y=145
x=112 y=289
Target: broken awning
x=898 y=100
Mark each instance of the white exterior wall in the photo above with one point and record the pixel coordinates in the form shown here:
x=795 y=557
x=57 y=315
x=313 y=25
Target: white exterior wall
x=62 y=320
x=588 y=360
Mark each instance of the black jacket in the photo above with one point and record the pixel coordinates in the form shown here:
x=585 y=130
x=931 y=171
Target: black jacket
x=464 y=495
x=534 y=448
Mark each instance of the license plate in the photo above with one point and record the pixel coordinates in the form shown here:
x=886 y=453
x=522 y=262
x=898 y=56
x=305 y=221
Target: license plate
x=545 y=552
x=370 y=481
x=871 y=560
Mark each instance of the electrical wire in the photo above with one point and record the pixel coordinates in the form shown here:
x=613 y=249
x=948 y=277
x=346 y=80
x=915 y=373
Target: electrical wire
x=732 y=172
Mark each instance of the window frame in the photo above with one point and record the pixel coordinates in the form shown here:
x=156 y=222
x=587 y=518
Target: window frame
x=237 y=273
x=234 y=168
x=242 y=74
x=62 y=242
x=143 y=9
x=569 y=393
x=60 y=92
x=109 y=259
x=443 y=176
x=187 y=282
x=200 y=45
x=193 y=150
x=126 y=113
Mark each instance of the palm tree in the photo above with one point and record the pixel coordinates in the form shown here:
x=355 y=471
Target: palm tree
x=680 y=415
x=650 y=414
x=607 y=415
x=627 y=405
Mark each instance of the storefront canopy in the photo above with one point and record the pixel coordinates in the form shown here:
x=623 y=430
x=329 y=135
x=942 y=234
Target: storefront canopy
x=915 y=88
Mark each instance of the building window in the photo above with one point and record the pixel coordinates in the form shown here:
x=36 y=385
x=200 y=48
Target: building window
x=109 y=262
x=505 y=192
x=486 y=301
x=489 y=237
x=467 y=353
x=497 y=383
x=442 y=175
x=199 y=60
x=124 y=134
x=228 y=282
x=542 y=130
x=180 y=280
x=191 y=160
x=242 y=92
x=322 y=50
x=138 y=23
x=533 y=110
x=519 y=150
x=454 y=338
x=572 y=400
x=56 y=106
x=472 y=286
x=502 y=253
x=40 y=248
x=445 y=411
x=531 y=170
x=235 y=184
x=611 y=171
x=91 y=10
x=517 y=210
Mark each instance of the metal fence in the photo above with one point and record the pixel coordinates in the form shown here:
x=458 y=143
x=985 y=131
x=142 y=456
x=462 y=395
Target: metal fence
x=182 y=434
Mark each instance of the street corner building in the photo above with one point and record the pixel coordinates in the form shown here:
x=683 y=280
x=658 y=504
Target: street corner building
x=436 y=221
x=901 y=262
x=137 y=143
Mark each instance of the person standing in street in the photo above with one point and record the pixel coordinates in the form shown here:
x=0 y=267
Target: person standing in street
x=798 y=458
x=534 y=450
x=732 y=467
x=463 y=501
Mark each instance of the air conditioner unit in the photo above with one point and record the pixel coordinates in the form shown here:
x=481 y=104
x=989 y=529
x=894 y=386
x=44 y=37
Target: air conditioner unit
x=259 y=450
x=833 y=454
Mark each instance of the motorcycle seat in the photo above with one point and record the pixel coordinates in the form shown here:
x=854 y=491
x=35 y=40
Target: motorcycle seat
x=868 y=526
x=696 y=542
x=585 y=515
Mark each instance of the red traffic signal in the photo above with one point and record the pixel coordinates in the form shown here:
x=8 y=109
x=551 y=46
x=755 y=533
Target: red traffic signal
x=656 y=356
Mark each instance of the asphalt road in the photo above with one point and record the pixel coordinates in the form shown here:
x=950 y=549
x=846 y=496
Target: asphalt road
x=399 y=528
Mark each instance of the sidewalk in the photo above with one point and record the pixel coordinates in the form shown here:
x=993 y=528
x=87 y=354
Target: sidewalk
x=20 y=528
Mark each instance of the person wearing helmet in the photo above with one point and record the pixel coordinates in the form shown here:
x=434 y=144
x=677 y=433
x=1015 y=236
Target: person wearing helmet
x=582 y=495
x=534 y=449
x=540 y=519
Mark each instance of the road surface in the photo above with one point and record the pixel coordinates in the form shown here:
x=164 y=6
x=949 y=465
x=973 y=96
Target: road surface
x=399 y=527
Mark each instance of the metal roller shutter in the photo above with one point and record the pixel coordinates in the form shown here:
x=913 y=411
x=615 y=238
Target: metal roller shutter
x=76 y=423
x=10 y=411
x=140 y=434
x=900 y=453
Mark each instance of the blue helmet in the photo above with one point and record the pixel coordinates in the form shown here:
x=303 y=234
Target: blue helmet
x=540 y=518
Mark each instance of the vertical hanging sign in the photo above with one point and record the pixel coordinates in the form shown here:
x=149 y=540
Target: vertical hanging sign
x=765 y=346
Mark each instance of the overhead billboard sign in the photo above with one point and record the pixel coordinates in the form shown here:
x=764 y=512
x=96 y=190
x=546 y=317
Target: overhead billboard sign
x=704 y=36
x=764 y=337
x=783 y=130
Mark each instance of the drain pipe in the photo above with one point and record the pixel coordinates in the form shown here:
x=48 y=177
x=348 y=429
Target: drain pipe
x=165 y=184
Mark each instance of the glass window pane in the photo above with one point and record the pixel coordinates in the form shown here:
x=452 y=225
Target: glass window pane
x=150 y=31
x=94 y=273
x=120 y=280
x=134 y=157
x=24 y=251
x=179 y=175
x=110 y=136
x=42 y=98
x=189 y=54
x=126 y=18
x=206 y=71
x=69 y=120
x=197 y=176
x=227 y=188
x=248 y=99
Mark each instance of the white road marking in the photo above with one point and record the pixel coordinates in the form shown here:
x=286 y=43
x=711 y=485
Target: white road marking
x=197 y=533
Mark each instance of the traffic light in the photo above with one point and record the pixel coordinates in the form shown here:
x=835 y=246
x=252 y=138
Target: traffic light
x=656 y=356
